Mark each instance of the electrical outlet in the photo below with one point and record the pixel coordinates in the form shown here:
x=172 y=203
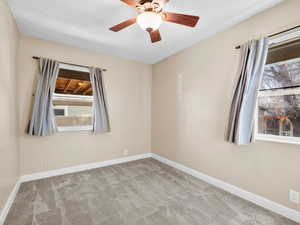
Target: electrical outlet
x=125 y=152
x=294 y=197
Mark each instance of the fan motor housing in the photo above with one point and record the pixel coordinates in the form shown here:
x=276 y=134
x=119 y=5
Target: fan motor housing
x=149 y=6
x=142 y=2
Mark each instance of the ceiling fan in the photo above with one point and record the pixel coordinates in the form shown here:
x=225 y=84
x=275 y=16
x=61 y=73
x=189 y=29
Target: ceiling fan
x=151 y=15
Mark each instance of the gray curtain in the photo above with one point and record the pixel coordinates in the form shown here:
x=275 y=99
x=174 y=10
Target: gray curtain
x=240 y=125
x=42 y=121
x=100 y=114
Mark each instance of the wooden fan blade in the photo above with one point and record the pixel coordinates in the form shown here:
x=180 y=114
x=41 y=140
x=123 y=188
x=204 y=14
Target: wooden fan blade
x=130 y=2
x=155 y=35
x=182 y=19
x=123 y=25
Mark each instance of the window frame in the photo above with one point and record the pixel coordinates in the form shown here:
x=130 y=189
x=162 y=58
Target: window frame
x=74 y=98
x=277 y=92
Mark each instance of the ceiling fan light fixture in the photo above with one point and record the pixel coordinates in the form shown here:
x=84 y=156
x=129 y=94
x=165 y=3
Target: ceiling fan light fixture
x=151 y=15
x=149 y=20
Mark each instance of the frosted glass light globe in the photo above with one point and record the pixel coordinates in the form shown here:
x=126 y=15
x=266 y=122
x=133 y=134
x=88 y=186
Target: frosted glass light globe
x=149 y=20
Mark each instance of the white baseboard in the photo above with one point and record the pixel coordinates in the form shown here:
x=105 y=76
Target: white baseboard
x=52 y=173
x=9 y=202
x=254 y=198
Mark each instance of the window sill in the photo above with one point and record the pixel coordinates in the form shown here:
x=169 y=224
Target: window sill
x=74 y=128
x=278 y=139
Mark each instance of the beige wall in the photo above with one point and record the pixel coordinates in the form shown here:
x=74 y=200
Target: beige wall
x=9 y=154
x=128 y=87
x=191 y=97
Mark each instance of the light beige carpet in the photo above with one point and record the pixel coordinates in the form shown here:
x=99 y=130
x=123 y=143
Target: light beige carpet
x=143 y=192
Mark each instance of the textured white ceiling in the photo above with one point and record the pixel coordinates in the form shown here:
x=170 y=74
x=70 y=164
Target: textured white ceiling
x=85 y=23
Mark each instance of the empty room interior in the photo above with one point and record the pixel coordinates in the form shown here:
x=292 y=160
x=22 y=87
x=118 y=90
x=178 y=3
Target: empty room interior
x=150 y=112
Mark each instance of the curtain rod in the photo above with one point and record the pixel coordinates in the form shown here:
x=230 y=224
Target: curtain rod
x=275 y=34
x=71 y=64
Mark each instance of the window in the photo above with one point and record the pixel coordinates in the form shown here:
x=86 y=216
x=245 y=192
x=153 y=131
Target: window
x=278 y=105
x=73 y=99
x=61 y=110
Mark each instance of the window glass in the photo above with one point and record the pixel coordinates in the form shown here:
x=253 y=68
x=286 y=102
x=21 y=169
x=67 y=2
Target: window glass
x=59 y=112
x=282 y=75
x=73 y=99
x=77 y=116
x=279 y=115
